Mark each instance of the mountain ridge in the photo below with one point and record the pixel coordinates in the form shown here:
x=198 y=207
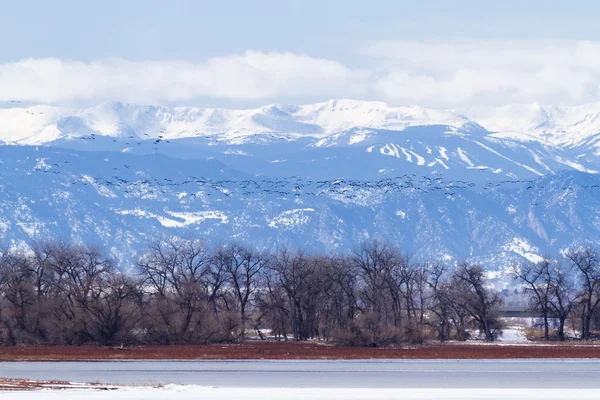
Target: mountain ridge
x=565 y=126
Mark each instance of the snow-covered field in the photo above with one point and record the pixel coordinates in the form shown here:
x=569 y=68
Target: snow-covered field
x=209 y=393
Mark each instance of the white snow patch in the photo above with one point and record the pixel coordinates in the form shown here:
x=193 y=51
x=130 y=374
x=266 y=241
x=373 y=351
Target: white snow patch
x=191 y=218
x=192 y=392
x=443 y=153
x=446 y=257
x=390 y=150
x=41 y=164
x=443 y=164
x=406 y=154
x=321 y=142
x=358 y=137
x=30 y=228
x=524 y=249
x=235 y=152
x=291 y=218
x=527 y=167
x=513 y=335
x=463 y=156
x=575 y=165
x=420 y=160
x=538 y=160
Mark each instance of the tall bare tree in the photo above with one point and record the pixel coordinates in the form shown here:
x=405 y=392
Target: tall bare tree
x=537 y=278
x=563 y=294
x=480 y=301
x=587 y=262
x=243 y=268
x=174 y=270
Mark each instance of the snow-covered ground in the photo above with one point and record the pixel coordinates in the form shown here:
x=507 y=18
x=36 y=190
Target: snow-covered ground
x=209 y=393
x=513 y=335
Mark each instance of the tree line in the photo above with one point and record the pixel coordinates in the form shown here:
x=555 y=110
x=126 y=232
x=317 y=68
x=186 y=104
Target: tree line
x=182 y=291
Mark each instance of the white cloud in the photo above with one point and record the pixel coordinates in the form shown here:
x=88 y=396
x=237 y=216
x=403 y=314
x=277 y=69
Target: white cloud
x=446 y=73
x=249 y=76
x=467 y=72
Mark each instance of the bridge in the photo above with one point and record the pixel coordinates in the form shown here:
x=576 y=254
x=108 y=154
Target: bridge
x=518 y=312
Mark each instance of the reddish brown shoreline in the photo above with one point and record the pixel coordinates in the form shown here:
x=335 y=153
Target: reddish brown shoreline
x=292 y=350
x=9 y=384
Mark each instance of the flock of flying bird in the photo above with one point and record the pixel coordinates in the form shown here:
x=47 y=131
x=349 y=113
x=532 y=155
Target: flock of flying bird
x=130 y=139
x=283 y=187
x=135 y=182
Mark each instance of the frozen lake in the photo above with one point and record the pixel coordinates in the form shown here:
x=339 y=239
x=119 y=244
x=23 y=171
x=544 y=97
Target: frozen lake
x=548 y=373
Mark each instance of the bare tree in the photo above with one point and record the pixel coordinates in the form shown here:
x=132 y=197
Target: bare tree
x=15 y=285
x=537 y=278
x=339 y=294
x=292 y=271
x=376 y=263
x=174 y=272
x=114 y=309
x=243 y=268
x=479 y=300
x=587 y=263
x=562 y=294
x=440 y=301
x=274 y=305
x=79 y=273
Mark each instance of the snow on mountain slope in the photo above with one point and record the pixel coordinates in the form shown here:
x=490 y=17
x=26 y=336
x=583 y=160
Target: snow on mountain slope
x=121 y=200
x=33 y=125
x=339 y=115
x=553 y=125
x=550 y=125
x=327 y=139
x=29 y=125
x=437 y=150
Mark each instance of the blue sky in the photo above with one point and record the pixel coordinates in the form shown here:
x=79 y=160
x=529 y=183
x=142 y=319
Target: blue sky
x=226 y=52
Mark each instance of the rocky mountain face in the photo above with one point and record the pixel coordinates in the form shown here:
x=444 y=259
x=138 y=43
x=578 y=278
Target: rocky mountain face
x=488 y=185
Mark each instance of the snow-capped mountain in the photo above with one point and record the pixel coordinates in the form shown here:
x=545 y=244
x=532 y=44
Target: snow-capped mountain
x=511 y=142
x=491 y=185
x=551 y=125
x=560 y=126
x=42 y=124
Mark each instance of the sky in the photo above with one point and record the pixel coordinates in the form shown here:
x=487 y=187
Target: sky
x=443 y=54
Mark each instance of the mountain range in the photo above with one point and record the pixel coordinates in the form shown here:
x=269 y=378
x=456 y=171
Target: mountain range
x=491 y=184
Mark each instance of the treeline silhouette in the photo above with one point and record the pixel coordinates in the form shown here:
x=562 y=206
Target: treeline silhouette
x=184 y=292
